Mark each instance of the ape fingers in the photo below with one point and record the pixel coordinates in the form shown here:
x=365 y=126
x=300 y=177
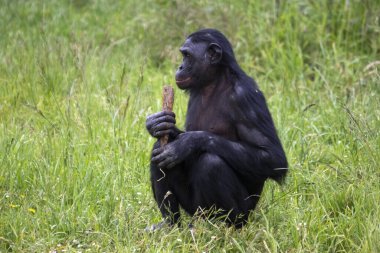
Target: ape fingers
x=164 y=116
x=161 y=121
x=164 y=157
x=162 y=129
x=158 y=156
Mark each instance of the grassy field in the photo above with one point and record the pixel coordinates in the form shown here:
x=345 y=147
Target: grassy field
x=78 y=78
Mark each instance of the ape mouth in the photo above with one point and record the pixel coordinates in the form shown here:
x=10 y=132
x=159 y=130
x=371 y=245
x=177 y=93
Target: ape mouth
x=183 y=80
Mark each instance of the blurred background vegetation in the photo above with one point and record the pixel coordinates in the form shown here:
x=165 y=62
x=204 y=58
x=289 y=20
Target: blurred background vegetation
x=78 y=78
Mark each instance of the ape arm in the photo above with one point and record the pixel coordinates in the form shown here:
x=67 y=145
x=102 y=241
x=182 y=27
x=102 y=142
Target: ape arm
x=256 y=156
x=247 y=159
x=256 y=153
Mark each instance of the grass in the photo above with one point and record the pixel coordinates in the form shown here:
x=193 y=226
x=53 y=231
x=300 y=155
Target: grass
x=78 y=78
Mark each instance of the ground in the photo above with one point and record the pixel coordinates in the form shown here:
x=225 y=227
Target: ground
x=78 y=78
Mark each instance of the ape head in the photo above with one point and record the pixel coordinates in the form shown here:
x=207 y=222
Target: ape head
x=206 y=53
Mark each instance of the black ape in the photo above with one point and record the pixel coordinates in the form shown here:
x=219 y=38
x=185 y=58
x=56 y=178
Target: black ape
x=230 y=146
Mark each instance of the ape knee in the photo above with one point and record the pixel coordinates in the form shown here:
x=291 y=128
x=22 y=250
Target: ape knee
x=210 y=163
x=208 y=169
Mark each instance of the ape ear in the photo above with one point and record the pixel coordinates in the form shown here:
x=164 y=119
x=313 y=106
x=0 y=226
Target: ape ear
x=215 y=53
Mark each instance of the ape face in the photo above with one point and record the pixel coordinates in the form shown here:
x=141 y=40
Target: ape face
x=199 y=64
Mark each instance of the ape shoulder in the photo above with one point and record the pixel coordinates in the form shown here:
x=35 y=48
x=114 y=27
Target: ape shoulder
x=244 y=89
x=246 y=99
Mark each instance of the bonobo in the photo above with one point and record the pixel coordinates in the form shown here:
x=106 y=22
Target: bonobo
x=229 y=146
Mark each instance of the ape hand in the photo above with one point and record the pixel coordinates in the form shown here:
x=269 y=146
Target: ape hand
x=174 y=152
x=162 y=123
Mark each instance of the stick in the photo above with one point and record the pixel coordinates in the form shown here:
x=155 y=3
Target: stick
x=167 y=105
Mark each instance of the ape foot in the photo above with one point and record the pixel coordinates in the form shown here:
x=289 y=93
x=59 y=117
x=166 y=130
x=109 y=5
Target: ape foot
x=161 y=225
x=156 y=227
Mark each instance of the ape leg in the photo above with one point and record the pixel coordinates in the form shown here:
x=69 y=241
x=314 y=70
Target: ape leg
x=214 y=185
x=163 y=195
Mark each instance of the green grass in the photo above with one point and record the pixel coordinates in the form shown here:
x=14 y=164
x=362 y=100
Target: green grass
x=78 y=78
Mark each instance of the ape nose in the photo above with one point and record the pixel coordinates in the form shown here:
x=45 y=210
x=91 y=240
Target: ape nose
x=180 y=67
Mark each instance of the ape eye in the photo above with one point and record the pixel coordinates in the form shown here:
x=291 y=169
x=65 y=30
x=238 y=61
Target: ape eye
x=186 y=54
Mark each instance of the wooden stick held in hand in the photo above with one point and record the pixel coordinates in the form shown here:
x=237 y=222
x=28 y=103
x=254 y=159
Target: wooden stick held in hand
x=167 y=105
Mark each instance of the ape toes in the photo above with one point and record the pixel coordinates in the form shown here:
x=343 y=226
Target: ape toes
x=158 y=226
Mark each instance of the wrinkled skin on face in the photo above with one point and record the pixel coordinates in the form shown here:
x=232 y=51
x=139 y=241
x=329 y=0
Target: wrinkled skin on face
x=199 y=64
